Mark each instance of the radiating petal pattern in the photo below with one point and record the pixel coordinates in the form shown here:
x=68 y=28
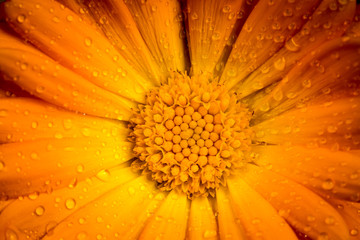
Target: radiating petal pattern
x=34 y=216
x=61 y=34
x=25 y=119
x=303 y=209
x=161 y=25
x=328 y=21
x=179 y=119
x=316 y=168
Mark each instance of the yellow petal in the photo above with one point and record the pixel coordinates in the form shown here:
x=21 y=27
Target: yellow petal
x=117 y=214
x=333 y=174
x=305 y=211
x=328 y=21
x=170 y=220
x=62 y=35
x=202 y=223
x=160 y=25
x=46 y=79
x=229 y=226
x=267 y=28
x=112 y=16
x=258 y=217
x=37 y=215
x=44 y=165
x=26 y=119
x=332 y=125
x=332 y=69
x=212 y=26
x=350 y=212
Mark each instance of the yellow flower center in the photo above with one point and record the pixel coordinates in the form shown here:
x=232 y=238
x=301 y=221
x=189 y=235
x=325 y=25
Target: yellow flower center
x=190 y=135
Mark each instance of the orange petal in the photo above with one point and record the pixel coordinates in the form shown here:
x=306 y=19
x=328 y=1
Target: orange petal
x=332 y=124
x=112 y=16
x=332 y=68
x=354 y=29
x=304 y=210
x=329 y=21
x=25 y=119
x=170 y=220
x=160 y=25
x=44 y=165
x=62 y=35
x=37 y=215
x=265 y=31
x=258 y=217
x=350 y=212
x=46 y=79
x=229 y=225
x=202 y=223
x=117 y=214
x=212 y=26
x=333 y=174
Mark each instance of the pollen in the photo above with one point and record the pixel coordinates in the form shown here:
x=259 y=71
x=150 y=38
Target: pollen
x=190 y=135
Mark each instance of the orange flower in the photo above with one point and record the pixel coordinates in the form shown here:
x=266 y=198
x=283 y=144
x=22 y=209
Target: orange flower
x=197 y=119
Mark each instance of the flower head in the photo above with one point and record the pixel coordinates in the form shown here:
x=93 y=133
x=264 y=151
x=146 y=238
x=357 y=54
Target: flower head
x=197 y=119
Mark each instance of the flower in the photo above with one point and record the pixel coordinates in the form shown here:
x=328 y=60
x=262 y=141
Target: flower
x=144 y=119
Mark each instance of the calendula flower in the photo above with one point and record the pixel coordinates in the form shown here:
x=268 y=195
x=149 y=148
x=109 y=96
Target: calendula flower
x=168 y=119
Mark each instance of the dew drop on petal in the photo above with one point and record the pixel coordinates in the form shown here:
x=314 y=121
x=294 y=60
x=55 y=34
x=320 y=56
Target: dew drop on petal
x=39 y=211
x=328 y=184
x=104 y=175
x=354 y=232
x=10 y=234
x=210 y=234
x=21 y=18
x=70 y=203
x=2 y=165
x=88 y=42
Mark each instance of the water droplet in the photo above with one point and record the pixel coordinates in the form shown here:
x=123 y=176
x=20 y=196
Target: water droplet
x=210 y=233
x=306 y=83
x=34 y=156
x=10 y=234
x=39 y=211
x=34 y=124
x=280 y=64
x=81 y=236
x=70 y=18
x=354 y=232
x=70 y=203
x=80 y=168
x=23 y=66
x=33 y=195
x=21 y=18
x=328 y=184
x=40 y=89
x=56 y=19
x=329 y=220
x=88 y=42
x=104 y=175
x=226 y=9
x=67 y=123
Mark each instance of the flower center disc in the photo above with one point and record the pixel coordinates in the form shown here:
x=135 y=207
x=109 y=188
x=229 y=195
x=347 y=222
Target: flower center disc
x=190 y=135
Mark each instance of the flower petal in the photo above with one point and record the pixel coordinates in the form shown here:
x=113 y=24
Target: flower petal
x=331 y=125
x=202 y=222
x=39 y=214
x=160 y=25
x=170 y=220
x=333 y=68
x=333 y=174
x=43 y=165
x=62 y=35
x=26 y=119
x=329 y=21
x=354 y=29
x=212 y=26
x=112 y=16
x=350 y=212
x=304 y=210
x=265 y=31
x=46 y=79
x=258 y=217
x=229 y=225
x=118 y=213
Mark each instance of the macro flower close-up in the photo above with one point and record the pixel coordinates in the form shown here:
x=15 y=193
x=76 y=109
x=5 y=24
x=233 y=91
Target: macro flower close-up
x=180 y=119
